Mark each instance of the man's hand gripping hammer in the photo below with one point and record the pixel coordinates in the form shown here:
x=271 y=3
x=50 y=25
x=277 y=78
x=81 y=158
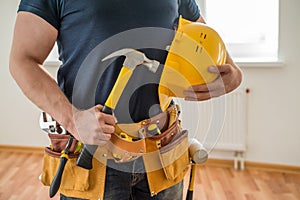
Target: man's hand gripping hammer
x=133 y=59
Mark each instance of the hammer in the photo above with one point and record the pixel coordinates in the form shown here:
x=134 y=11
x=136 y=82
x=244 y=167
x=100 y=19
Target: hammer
x=198 y=155
x=133 y=59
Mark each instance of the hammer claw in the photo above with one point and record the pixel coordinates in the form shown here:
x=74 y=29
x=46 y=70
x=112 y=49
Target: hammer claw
x=121 y=52
x=134 y=58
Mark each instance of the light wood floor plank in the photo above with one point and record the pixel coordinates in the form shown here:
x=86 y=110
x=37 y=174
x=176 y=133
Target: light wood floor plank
x=19 y=174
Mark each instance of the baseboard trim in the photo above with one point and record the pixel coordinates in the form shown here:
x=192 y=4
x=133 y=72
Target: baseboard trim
x=209 y=162
x=21 y=149
x=273 y=167
x=254 y=165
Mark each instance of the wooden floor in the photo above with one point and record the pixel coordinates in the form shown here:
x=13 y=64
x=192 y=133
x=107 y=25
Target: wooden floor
x=19 y=180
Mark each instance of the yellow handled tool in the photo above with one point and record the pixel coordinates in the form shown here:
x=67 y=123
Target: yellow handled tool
x=133 y=59
x=198 y=156
x=55 y=184
x=190 y=191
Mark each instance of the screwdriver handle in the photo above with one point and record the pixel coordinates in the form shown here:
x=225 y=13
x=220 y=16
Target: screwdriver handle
x=55 y=184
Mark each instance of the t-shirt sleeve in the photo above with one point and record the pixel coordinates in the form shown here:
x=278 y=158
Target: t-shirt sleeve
x=189 y=9
x=46 y=9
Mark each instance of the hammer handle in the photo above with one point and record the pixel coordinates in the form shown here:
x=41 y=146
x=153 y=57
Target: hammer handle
x=86 y=156
x=190 y=191
x=118 y=88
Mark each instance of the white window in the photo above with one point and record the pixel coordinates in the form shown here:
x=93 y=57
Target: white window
x=248 y=27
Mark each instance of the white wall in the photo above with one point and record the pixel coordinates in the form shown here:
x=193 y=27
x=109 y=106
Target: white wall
x=274 y=101
x=18 y=117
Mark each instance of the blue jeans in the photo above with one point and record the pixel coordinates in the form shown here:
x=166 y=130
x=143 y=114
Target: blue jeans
x=128 y=181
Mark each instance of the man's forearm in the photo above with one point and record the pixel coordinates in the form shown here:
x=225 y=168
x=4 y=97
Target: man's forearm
x=40 y=87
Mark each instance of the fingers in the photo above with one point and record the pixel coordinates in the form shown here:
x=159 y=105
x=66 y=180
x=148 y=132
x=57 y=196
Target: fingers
x=229 y=78
x=205 y=91
x=93 y=126
x=193 y=96
x=196 y=95
x=107 y=118
x=106 y=127
x=96 y=139
x=212 y=89
x=226 y=68
x=100 y=139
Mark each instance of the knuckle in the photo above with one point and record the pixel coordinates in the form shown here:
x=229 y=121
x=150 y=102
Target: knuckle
x=107 y=137
x=102 y=143
x=94 y=137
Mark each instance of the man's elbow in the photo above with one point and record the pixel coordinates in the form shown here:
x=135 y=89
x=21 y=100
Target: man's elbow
x=13 y=65
x=17 y=64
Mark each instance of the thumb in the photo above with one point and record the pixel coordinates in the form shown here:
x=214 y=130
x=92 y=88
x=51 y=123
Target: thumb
x=213 y=69
x=98 y=107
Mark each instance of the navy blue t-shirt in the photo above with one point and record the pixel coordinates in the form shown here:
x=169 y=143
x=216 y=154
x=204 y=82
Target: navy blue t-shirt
x=89 y=30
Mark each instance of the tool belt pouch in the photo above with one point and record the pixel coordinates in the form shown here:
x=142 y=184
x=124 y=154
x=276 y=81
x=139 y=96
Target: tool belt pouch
x=74 y=177
x=168 y=151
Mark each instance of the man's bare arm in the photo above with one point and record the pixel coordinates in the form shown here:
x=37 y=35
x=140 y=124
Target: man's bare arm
x=32 y=42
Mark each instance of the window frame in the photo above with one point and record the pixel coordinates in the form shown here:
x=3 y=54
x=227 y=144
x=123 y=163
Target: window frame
x=276 y=61
x=251 y=61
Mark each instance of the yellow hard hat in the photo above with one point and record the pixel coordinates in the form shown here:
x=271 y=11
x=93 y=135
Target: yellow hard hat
x=194 y=48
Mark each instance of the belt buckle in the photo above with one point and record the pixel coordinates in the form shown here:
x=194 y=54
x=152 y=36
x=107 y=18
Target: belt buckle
x=125 y=157
x=124 y=150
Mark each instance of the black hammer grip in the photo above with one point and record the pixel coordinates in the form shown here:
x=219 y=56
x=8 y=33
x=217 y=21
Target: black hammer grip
x=55 y=184
x=86 y=156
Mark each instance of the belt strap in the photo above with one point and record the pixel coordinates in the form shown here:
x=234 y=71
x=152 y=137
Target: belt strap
x=161 y=120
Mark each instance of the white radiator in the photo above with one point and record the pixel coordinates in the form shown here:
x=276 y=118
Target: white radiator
x=220 y=123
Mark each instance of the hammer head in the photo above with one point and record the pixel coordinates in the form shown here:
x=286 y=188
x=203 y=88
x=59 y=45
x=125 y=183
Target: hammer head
x=134 y=58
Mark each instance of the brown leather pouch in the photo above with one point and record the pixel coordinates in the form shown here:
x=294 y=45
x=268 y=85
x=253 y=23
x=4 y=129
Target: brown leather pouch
x=59 y=141
x=169 y=134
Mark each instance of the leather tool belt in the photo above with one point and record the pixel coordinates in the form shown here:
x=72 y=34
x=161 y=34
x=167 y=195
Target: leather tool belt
x=165 y=156
x=133 y=144
x=129 y=140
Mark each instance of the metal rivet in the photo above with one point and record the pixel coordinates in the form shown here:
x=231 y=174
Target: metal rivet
x=157 y=121
x=152 y=193
x=104 y=155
